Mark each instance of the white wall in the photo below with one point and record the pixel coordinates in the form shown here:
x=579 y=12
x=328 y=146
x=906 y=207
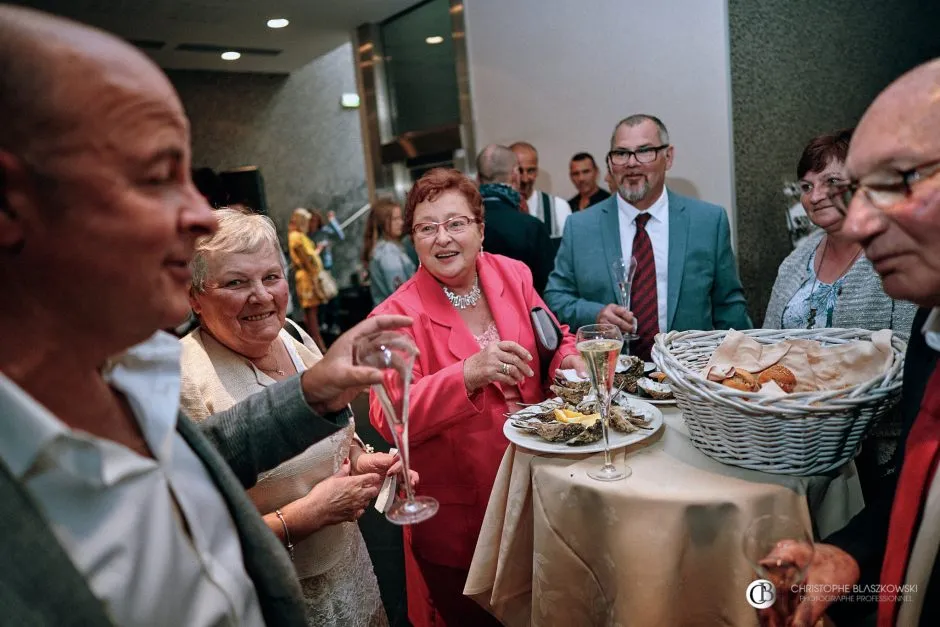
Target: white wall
x=561 y=73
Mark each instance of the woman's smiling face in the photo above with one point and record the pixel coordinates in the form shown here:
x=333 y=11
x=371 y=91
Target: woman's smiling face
x=449 y=257
x=244 y=302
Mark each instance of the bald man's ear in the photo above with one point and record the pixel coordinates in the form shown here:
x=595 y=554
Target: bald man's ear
x=12 y=175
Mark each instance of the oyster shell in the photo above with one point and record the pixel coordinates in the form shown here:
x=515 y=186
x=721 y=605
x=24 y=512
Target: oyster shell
x=657 y=391
x=626 y=381
x=632 y=365
x=544 y=411
x=551 y=431
x=571 y=395
x=591 y=433
x=626 y=419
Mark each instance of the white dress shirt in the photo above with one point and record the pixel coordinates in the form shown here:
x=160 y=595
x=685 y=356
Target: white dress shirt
x=113 y=510
x=658 y=230
x=561 y=213
x=927 y=538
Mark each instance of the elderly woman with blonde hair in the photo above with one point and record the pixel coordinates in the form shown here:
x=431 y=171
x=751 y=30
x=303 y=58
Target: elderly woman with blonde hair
x=311 y=502
x=307 y=264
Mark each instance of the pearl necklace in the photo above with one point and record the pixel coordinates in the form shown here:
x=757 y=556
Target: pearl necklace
x=465 y=301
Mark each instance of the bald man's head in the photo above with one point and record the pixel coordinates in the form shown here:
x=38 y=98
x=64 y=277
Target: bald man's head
x=51 y=70
x=894 y=157
x=903 y=119
x=497 y=164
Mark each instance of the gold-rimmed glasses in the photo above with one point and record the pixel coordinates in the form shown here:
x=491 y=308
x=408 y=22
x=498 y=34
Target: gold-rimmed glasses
x=883 y=195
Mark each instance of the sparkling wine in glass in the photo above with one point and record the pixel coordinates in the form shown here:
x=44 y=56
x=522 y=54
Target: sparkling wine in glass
x=780 y=550
x=394 y=354
x=624 y=271
x=599 y=345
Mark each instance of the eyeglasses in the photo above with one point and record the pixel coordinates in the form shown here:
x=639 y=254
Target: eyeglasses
x=829 y=184
x=427 y=230
x=621 y=156
x=883 y=196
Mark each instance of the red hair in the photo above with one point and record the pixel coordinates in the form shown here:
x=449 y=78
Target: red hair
x=439 y=181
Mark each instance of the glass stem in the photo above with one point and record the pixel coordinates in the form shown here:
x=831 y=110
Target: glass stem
x=406 y=474
x=605 y=425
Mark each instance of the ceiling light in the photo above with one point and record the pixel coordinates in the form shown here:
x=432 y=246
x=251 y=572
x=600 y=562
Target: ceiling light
x=278 y=22
x=231 y=55
x=434 y=39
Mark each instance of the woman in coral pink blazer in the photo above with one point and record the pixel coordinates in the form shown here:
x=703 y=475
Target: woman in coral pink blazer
x=478 y=361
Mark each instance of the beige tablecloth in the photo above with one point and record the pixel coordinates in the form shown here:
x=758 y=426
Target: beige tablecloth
x=662 y=547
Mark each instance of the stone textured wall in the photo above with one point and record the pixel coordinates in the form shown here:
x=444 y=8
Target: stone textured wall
x=308 y=148
x=800 y=68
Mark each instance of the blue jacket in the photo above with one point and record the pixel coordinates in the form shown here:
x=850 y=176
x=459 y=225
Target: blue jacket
x=704 y=291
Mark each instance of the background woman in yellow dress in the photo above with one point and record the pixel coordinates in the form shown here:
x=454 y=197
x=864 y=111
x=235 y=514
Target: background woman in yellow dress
x=307 y=267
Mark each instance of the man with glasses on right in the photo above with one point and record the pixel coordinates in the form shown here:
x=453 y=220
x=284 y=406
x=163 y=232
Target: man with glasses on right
x=686 y=276
x=892 y=208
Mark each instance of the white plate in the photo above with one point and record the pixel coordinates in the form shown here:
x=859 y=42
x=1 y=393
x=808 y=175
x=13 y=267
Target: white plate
x=533 y=442
x=652 y=401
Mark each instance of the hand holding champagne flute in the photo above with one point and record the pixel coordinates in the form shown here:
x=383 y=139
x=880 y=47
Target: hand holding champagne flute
x=394 y=354
x=599 y=345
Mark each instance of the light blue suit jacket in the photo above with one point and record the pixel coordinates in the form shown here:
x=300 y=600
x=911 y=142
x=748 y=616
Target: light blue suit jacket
x=704 y=291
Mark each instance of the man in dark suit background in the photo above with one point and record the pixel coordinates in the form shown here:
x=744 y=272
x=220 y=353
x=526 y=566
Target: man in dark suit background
x=511 y=231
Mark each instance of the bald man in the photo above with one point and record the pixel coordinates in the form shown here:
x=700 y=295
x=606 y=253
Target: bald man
x=552 y=210
x=116 y=509
x=509 y=231
x=892 y=208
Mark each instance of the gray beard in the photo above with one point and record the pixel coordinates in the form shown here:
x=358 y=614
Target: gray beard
x=634 y=195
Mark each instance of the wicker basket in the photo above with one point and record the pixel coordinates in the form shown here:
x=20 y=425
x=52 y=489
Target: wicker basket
x=803 y=433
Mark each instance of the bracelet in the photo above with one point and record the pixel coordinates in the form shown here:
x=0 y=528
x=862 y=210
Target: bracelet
x=287 y=542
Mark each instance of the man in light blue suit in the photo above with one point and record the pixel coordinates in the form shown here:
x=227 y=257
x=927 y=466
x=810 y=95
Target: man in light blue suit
x=696 y=280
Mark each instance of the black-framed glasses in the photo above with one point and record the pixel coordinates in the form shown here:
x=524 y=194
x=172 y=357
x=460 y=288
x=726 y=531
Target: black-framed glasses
x=883 y=196
x=621 y=156
x=455 y=225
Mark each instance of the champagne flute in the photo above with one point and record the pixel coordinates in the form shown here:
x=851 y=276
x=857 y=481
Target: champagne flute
x=624 y=270
x=599 y=345
x=779 y=550
x=394 y=354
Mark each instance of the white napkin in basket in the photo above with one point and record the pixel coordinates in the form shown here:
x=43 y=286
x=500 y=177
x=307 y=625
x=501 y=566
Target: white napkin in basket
x=815 y=367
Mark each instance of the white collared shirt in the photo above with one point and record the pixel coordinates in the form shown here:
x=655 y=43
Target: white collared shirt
x=658 y=230
x=561 y=211
x=931 y=329
x=113 y=512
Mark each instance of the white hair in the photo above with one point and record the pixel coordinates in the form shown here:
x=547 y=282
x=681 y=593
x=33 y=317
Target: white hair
x=238 y=232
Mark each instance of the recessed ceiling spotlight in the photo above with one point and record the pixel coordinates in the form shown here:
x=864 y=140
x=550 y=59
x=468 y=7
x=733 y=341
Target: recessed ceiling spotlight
x=278 y=22
x=231 y=55
x=434 y=39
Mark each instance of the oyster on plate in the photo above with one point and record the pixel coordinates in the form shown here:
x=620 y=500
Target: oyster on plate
x=571 y=391
x=551 y=431
x=655 y=390
x=592 y=433
x=626 y=419
x=544 y=411
x=629 y=369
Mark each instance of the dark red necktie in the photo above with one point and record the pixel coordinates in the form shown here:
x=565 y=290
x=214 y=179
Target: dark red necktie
x=643 y=301
x=920 y=464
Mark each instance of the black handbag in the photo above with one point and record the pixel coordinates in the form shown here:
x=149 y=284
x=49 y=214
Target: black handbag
x=547 y=338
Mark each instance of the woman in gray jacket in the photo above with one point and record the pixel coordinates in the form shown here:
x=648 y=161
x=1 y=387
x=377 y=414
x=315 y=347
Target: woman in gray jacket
x=827 y=281
x=382 y=251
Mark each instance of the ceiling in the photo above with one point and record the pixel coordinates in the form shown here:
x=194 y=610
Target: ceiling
x=211 y=26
